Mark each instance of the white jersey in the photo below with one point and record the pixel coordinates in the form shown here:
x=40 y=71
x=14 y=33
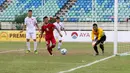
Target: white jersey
x=30 y=24
x=59 y=26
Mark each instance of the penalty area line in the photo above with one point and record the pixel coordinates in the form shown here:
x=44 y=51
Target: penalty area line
x=87 y=65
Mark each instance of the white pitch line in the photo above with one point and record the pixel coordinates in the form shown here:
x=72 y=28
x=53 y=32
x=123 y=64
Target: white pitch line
x=86 y=65
x=40 y=62
x=10 y=51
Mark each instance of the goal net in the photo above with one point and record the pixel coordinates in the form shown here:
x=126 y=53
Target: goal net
x=121 y=28
x=114 y=17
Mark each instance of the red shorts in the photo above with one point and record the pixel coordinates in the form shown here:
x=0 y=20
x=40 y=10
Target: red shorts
x=50 y=40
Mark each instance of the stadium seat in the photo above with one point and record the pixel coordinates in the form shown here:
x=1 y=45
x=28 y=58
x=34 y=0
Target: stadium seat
x=104 y=9
x=1 y=1
x=49 y=8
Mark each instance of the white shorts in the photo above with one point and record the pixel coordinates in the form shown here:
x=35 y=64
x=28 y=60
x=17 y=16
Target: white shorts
x=58 y=37
x=30 y=35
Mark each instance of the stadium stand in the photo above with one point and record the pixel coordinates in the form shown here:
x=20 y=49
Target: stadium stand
x=81 y=10
x=19 y=7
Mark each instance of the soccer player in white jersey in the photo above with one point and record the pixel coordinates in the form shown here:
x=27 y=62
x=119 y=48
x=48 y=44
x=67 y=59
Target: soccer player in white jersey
x=30 y=24
x=60 y=27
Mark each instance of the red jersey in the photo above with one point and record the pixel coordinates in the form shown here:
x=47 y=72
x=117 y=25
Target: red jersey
x=48 y=29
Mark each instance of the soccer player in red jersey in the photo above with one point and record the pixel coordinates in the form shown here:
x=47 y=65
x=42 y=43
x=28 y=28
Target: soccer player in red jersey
x=49 y=37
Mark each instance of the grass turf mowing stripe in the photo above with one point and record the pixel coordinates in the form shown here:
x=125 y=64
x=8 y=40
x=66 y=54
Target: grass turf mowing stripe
x=86 y=65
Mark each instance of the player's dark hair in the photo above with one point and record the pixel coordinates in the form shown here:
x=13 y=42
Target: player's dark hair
x=29 y=10
x=45 y=17
x=57 y=17
x=95 y=25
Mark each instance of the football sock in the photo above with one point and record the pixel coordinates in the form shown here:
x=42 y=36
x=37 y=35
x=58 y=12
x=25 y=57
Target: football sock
x=35 y=45
x=59 y=45
x=49 y=49
x=28 y=45
x=96 y=49
x=102 y=47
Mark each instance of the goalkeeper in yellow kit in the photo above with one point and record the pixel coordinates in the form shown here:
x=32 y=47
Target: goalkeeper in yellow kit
x=98 y=37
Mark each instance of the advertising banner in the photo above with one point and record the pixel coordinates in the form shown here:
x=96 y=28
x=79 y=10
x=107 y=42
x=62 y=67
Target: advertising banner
x=72 y=36
x=14 y=36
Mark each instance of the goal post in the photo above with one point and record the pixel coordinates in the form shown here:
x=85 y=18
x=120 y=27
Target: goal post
x=115 y=26
x=111 y=16
x=121 y=35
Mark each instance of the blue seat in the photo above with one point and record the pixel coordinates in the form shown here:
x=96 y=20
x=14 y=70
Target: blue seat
x=61 y=3
x=22 y=1
x=83 y=8
x=1 y=1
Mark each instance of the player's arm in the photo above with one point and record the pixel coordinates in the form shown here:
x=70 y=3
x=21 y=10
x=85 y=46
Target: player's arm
x=58 y=31
x=65 y=31
x=37 y=25
x=63 y=28
x=41 y=34
x=24 y=26
x=92 y=35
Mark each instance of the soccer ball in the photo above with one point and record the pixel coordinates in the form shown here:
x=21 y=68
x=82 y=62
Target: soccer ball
x=63 y=51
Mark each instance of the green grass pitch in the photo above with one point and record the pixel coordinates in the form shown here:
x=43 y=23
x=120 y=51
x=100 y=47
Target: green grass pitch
x=78 y=54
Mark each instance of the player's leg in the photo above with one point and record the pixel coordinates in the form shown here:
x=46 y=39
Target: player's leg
x=102 y=47
x=28 y=41
x=53 y=41
x=59 y=42
x=96 y=48
x=48 y=47
x=35 y=42
x=102 y=43
x=56 y=37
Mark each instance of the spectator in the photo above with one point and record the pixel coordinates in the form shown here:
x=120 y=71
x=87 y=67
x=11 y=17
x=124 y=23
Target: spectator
x=112 y=18
x=128 y=19
x=9 y=1
x=1 y=10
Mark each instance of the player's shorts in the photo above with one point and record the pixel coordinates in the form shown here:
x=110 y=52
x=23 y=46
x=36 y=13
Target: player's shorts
x=30 y=35
x=102 y=40
x=50 y=40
